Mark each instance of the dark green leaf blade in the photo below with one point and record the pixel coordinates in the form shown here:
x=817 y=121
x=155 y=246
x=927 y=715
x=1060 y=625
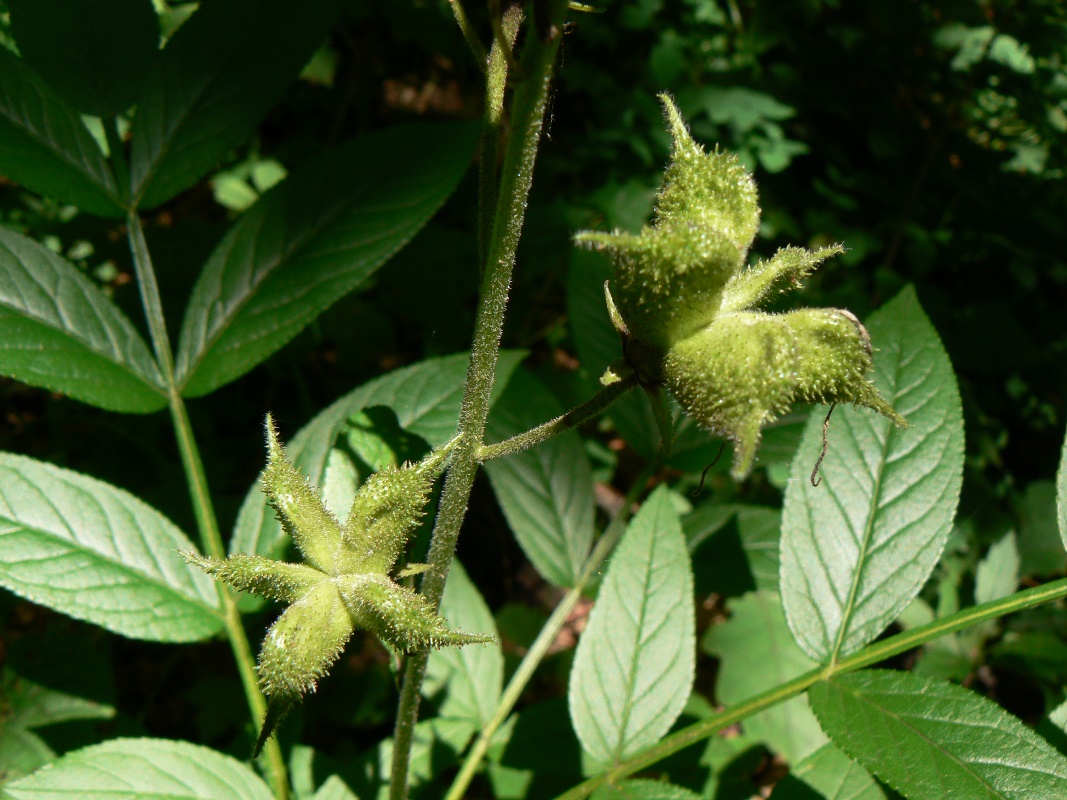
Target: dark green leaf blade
x=756 y=652
x=858 y=547
x=218 y=76
x=148 y=769
x=310 y=241
x=58 y=331
x=635 y=662
x=95 y=552
x=426 y=398
x=471 y=677
x=45 y=146
x=95 y=53
x=930 y=739
x=546 y=492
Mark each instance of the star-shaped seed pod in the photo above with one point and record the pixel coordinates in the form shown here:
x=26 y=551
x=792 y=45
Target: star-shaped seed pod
x=344 y=583
x=686 y=307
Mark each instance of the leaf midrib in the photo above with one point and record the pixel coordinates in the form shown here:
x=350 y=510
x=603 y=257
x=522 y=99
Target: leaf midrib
x=868 y=532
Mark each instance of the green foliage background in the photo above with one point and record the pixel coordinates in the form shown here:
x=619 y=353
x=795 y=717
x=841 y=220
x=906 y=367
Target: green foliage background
x=929 y=137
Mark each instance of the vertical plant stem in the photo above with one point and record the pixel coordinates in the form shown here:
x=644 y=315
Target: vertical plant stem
x=489 y=144
x=530 y=99
x=206 y=521
x=604 y=548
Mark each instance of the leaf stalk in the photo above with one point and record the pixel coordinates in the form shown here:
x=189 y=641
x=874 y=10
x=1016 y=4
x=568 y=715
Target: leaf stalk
x=196 y=479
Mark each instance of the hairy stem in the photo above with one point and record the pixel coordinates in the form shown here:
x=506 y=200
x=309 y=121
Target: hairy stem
x=206 y=521
x=591 y=408
x=489 y=144
x=604 y=548
x=527 y=117
x=872 y=654
x=464 y=23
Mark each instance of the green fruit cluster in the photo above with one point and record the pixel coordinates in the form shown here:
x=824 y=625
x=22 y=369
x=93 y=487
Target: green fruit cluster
x=686 y=304
x=344 y=583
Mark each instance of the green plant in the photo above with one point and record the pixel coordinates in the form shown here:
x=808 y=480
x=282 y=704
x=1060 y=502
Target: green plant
x=807 y=592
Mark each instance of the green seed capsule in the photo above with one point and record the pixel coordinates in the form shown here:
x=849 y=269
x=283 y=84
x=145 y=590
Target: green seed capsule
x=684 y=304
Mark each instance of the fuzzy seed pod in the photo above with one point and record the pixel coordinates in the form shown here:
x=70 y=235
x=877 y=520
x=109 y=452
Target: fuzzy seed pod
x=345 y=581
x=685 y=305
x=669 y=279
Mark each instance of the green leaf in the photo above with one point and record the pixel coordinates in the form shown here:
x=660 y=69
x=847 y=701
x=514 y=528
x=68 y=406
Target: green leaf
x=644 y=790
x=472 y=677
x=218 y=76
x=94 y=552
x=311 y=240
x=858 y=547
x=634 y=666
x=45 y=146
x=426 y=398
x=1041 y=545
x=58 y=331
x=832 y=775
x=334 y=789
x=26 y=705
x=930 y=739
x=545 y=492
x=1061 y=494
x=756 y=652
x=145 y=769
x=95 y=53
x=997 y=575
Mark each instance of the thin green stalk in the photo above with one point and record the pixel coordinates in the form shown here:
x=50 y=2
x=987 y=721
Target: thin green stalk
x=489 y=146
x=465 y=26
x=528 y=115
x=207 y=523
x=604 y=548
x=872 y=654
x=591 y=408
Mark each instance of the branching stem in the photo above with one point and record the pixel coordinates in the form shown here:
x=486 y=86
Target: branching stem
x=531 y=98
x=591 y=408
